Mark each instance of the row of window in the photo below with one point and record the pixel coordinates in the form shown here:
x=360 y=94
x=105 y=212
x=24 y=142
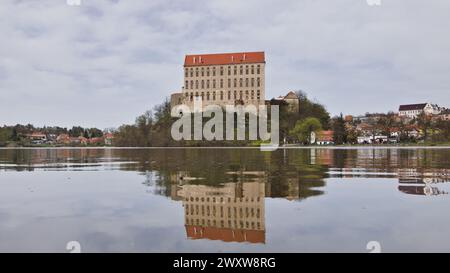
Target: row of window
x=247 y=82
x=221 y=199
x=206 y=71
x=213 y=223
x=220 y=95
x=195 y=210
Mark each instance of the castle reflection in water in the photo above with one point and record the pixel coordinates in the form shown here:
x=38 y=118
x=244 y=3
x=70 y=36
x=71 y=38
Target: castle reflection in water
x=223 y=193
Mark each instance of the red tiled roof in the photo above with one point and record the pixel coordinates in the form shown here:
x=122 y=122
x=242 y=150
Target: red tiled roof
x=225 y=234
x=224 y=58
x=325 y=135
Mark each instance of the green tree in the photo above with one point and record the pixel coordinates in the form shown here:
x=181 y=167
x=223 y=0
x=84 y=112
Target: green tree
x=303 y=129
x=339 y=130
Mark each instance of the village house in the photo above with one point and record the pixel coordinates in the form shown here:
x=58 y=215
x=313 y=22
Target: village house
x=414 y=110
x=108 y=139
x=37 y=138
x=63 y=139
x=322 y=137
x=290 y=99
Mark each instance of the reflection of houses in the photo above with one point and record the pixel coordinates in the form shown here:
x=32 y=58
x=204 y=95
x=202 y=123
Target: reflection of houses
x=415 y=176
x=418 y=182
x=233 y=212
x=420 y=190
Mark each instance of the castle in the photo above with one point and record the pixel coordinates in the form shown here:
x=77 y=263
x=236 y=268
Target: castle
x=223 y=79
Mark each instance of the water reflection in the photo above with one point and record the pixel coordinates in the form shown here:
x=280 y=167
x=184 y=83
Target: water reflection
x=233 y=212
x=226 y=195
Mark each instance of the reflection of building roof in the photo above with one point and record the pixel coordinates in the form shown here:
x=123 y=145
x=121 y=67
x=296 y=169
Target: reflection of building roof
x=226 y=234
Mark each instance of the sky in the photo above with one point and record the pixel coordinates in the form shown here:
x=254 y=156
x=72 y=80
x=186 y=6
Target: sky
x=105 y=62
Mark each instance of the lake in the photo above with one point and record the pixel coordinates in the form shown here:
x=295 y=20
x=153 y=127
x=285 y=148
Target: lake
x=225 y=200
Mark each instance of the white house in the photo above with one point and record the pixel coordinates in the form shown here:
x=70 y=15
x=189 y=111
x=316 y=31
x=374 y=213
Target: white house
x=413 y=110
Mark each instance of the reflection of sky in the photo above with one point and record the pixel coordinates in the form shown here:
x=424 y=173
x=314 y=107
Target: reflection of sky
x=114 y=211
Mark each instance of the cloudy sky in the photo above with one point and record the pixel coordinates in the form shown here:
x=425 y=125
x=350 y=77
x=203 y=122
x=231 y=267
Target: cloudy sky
x=107 y=61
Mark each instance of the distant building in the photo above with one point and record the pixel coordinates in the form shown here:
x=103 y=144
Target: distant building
x=414 y=110
x=63 y=139
x=291 y=100
x=36 y=136
x=109 y=139
x=223 y=79
x=322 y=138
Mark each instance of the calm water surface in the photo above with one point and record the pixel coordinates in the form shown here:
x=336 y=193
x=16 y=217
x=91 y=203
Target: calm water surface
x=184 y=200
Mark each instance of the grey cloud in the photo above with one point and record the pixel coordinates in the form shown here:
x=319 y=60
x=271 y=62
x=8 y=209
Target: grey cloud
x=105 y=62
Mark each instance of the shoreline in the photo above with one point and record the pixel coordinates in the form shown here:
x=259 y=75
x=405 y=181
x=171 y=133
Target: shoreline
x=428 y=147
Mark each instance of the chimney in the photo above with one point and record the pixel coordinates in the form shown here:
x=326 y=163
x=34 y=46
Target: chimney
x=244 y=57
x=194 y=60
x=200 y=59
x=232 y=58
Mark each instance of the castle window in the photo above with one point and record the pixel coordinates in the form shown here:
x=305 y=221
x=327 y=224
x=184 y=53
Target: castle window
x=207 y=71
x=253 y=82
x=258 y=82
x=229 y=83
x=203 y=84
x=229 y=70
x=253 y=69
x=258 y=69
x=246 y=69
x=241 y=69
x=214 y=95
x=240 y=82
x=192 y=84
x=187 y=85
x=192 y=72
x=196 y=84
x=207 y=83
x=253 y=94
x=203 y=72
x=235 y=82
x=186 y=72
x=196 y=71
x=246 y=82
x=214 y=83
x=221 y=71
x=214 y=71
x=235 y=70
x=229 y=95
x=207 y=96
x=221 y=95
x=221 y=83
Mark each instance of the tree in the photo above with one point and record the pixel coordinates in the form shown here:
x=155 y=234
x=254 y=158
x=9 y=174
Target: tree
x=340 y=133
x=424 y=123
x=303 y=129
x=144 y=125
